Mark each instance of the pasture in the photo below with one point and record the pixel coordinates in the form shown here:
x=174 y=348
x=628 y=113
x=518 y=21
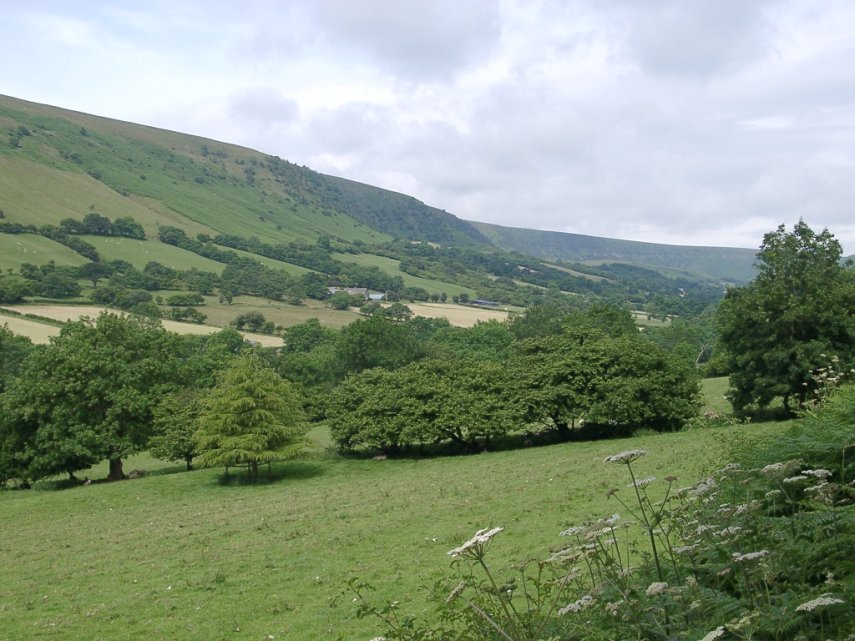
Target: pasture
x=182 y=556
x=65 y=313
x=392 y=266
x=17 y=249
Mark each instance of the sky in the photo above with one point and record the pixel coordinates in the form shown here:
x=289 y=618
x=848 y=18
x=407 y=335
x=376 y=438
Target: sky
x=695 y=122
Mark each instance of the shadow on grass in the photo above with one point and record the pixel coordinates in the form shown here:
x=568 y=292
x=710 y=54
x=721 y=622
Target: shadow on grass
x=276 y=473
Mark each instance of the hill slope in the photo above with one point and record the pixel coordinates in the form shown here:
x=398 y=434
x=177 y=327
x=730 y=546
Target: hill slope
x=57 y=164
x=717 y=263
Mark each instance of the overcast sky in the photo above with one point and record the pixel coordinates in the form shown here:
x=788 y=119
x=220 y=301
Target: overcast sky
x=705 y=122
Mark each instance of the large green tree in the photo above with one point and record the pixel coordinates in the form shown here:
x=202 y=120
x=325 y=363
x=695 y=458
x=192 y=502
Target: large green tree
x=781 y=329
x=89 y=394
x=610 y=385
x=251 y=416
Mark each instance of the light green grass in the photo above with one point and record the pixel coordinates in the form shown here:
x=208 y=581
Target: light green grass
x=392 y=266
x=295 y=270
x=713 y=390
x=17 y=249
x=222 y=314
x=140 y=252
x=178 y=556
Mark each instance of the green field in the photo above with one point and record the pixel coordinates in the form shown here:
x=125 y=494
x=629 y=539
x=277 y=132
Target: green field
x=221 y=315
x=392 y=266
x=16 y=249
x=178 y=556
x=140 y=252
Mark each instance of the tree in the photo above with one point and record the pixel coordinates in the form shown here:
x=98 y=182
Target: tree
x=94 y=272
x=376 y=342
x=89 y=394
x=251 y=416
x=175 y=422
x=798 y=313
x=610 y=385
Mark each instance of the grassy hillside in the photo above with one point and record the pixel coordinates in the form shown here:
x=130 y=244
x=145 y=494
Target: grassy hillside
x=56 y=164
x=179 y=556
x=36 y=250
x=60 y=163
x=716 y=263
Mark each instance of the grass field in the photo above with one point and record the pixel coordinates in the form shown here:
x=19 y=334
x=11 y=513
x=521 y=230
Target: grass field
x=39 y=333
x=140 y=252
x=181 y=556
x=16 y=249
x=74 y=312
x=392 y=266
x=459 y=315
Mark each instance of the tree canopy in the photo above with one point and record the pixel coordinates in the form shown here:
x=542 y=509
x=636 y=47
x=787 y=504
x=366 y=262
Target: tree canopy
x=251 y=416
x=798 y=314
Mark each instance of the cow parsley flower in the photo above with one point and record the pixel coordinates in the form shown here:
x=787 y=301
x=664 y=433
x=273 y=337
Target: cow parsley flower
x=476 y=543
x=625 y=457
x=656 y=588
x=822 y=601
x=714 y=634
x=749 y=556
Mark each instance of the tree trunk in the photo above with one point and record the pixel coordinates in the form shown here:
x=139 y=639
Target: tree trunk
x=253 y=469
x=116 y=471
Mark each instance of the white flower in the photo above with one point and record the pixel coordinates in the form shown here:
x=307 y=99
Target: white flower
x=685 y=549
x=749 y=556
x=481 y=537
x=714 y=634
x=574 y=531
x=820 y=602
x=655 y=588
x=577 y=606
x=818 y=474
x=795 y=479
x=625 y=457
x=643 y=482
x=456 y=592
x=729 y=531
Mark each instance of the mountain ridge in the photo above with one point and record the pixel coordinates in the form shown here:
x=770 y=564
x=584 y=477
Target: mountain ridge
x=61 y=163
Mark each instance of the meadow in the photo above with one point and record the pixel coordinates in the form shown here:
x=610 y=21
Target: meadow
x=392 y=266
x=183 y=555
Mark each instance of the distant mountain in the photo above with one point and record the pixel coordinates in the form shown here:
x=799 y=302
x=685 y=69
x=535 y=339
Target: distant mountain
x=716 y=263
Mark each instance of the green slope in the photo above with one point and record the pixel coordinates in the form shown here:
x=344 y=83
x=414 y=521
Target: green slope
x=56 y=164
x=717 y=263
x=59 y=164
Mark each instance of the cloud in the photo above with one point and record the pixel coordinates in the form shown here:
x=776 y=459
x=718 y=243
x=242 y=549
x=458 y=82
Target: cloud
x=697 y=38
x=416 y=40
x=263 y=107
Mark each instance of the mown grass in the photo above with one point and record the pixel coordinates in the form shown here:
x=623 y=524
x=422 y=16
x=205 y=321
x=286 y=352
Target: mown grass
x=179 y=555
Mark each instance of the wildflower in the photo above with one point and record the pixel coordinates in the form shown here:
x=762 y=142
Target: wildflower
x=729 y=531
x=704 y=487
x=749 y=556
x=818 y=474
x=731 y=467
x=456 y=592
x=684 y=549
x=481 y=538
x=614 y=518
x=658 y=587
x=820 y=602
x=714 y=634
x=671 y=478
x=576 y=530
x=614 y=606
x=625 y=457
x=640 y=483
x=612 y=492
x=796 y=478
x=577 y=606
x=379 y=639
x=773 y=494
